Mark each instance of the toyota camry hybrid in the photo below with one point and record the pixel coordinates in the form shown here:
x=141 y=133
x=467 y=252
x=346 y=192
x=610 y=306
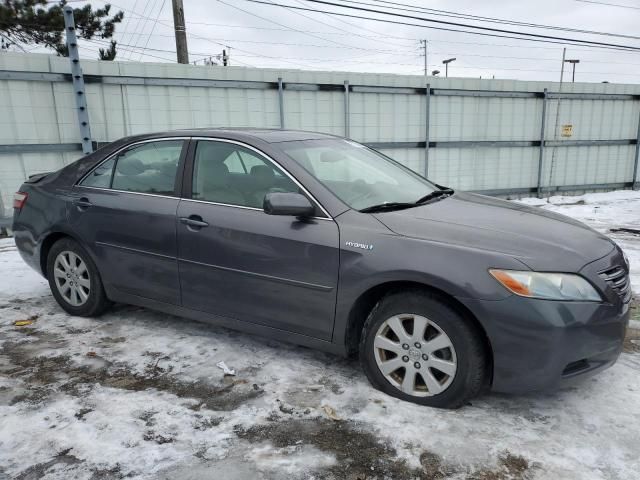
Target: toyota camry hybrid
x=318 y=240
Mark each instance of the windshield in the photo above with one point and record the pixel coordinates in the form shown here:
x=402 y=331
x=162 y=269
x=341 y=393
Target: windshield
x=357 y=175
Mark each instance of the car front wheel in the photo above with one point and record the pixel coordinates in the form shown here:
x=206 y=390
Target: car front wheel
x=74 y=279
x=417 y=347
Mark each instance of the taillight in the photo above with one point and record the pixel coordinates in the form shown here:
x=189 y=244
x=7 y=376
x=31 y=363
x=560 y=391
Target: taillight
x=19 y=199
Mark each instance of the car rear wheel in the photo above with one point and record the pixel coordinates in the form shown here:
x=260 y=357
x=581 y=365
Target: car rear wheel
x=74 y=279
x=417 y=347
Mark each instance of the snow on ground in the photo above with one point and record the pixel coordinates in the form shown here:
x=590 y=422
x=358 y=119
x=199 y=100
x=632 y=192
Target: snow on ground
x=139 y=394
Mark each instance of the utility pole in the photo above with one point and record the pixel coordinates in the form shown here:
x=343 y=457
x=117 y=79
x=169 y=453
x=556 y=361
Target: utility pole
x=555 y=127
x=423 y=43
x=180 y=31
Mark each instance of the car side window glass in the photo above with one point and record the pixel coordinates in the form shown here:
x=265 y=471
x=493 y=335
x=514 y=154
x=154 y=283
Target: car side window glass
x=235 y=164
x=217 y=176
x=148 y=168
x=101 y=176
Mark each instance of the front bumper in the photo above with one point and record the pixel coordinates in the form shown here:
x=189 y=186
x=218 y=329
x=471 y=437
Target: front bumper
x=542 y=344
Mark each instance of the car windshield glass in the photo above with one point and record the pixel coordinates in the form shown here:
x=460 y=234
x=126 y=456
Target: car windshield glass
x=360 y=177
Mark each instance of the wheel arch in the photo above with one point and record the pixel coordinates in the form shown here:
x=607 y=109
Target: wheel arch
x=47 y=242
x=367 y=300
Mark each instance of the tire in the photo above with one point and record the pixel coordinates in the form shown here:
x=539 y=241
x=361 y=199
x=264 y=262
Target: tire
x=462 y=355
x=91 y=301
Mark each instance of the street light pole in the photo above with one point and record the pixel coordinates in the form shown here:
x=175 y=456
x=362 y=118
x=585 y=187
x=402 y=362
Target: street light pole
x=573 y=64
x=446 y=66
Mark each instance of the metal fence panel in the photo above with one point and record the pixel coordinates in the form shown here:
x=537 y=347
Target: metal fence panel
x=483 y=134
x=484 y=168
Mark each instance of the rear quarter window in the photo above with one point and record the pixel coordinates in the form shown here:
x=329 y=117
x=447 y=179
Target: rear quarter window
x=101 y=176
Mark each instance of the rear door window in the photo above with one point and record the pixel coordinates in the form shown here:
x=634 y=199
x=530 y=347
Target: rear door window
x=150 y=167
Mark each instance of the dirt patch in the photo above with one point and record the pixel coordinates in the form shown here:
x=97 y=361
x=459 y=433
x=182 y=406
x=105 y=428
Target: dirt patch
x=359 y=454
x=632 y=341
x=434 y=468
x=510 y=467
x=44 y=375
x=71 y=464
x=634 y=309
x=39 y=470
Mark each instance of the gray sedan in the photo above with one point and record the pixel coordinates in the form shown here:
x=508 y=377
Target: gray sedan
x=321 y=241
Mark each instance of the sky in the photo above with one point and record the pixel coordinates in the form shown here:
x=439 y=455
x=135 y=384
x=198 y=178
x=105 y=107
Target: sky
x=274 y=36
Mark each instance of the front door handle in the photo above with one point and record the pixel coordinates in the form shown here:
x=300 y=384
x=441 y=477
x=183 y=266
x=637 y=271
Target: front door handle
x=194 y=222
x=83 y=204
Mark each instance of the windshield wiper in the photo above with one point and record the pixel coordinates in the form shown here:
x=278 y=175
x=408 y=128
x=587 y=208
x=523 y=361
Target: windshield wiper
x=387 y=206
x=434 y=194
x=382 y=207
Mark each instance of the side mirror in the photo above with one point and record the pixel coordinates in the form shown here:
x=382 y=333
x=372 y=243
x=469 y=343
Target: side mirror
x=293 y=204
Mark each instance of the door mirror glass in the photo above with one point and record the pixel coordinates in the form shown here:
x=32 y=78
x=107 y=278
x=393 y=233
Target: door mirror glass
x=293 y=204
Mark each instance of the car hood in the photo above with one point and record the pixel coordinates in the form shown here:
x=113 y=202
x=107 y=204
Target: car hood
x=543 y=240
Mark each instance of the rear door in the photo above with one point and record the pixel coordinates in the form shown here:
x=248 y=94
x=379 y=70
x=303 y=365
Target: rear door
x=237 y=261
x=125 y=211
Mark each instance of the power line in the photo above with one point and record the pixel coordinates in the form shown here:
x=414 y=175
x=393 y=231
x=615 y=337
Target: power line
x=408 y=39
x=451 y=14
x=128 y=19
x=138 y=49
x=608 y=4
x=153 y=26
x=142 y=18
x=134 y=49
x=282 y=25
x=144 y=25
x=339 y=20
x=192 y=35
x=401 y=53
x=351 y=59
x=397 y=22
x=466 y=25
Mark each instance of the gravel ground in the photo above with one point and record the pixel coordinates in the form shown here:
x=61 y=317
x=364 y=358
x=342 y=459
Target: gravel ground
x=138 y=394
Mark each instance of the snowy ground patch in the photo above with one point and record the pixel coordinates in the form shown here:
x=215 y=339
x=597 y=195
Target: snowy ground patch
x=138 y=394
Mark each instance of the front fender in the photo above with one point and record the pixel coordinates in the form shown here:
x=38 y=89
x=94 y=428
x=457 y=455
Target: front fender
x=458 y=271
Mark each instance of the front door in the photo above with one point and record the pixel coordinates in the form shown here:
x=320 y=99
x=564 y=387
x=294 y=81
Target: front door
x=125 y=212
x=236 y=261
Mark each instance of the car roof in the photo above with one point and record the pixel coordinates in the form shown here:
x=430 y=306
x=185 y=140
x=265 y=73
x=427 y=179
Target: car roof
x=269 y=135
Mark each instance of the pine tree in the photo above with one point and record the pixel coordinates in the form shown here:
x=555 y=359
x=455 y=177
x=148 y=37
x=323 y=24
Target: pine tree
x=36 y=22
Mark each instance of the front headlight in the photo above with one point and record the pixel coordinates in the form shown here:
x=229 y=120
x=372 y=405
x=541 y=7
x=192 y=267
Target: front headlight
x=549 y=286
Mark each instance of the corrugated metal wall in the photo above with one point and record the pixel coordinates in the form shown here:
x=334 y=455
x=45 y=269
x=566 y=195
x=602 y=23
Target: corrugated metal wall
x=42 y=111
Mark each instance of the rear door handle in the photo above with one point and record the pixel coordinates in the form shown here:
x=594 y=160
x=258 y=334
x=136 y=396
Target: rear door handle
x=83 y=203
x=194 y=222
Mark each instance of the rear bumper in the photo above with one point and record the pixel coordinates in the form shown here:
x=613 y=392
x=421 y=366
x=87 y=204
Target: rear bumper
x=540 y=344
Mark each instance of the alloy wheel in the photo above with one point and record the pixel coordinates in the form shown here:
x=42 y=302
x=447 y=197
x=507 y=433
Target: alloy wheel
x=72 y=278
x=415 y=355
